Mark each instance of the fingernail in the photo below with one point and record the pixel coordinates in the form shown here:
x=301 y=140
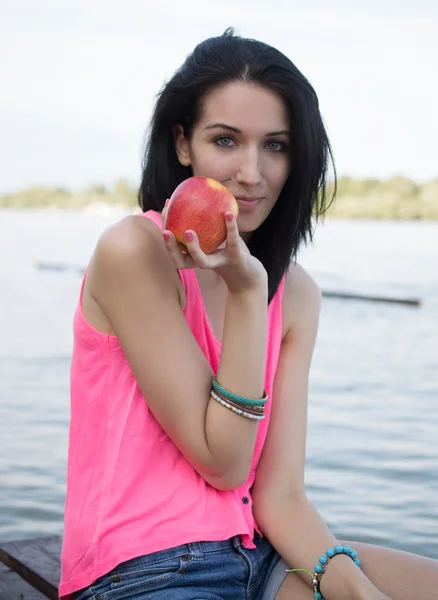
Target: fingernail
x=229 y=216
x=189 y=236
x=167 y=202
x=166 y=236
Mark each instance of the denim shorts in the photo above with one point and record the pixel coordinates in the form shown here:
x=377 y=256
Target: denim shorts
x=223 y=570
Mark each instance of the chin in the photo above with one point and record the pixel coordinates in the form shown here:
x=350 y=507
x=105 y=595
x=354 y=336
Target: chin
x=248 y=224
x=245 y=227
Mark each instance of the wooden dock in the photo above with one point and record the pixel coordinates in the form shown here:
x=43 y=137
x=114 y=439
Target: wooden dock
x=30 y=569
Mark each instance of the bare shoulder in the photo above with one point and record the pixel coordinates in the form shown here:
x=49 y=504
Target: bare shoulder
x=129 y=239
x=129 y=255
x=299 y=285
x=124 y=250
x=301 y=300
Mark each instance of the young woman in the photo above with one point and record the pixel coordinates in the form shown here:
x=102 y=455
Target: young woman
x=190 y=371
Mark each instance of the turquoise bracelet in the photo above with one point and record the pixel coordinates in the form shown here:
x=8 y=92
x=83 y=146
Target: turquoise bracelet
x=240 y=399
x=323 y=561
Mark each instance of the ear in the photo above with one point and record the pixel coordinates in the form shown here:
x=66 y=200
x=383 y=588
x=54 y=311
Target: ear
x=182 y=146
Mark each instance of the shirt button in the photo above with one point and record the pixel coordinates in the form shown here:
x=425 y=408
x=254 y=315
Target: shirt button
x=245 y=500
x=116 y=578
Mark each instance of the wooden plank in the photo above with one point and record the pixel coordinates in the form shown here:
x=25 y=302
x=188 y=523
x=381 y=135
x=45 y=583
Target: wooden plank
x=407 y=301
x=37 y=561
x=12 y=587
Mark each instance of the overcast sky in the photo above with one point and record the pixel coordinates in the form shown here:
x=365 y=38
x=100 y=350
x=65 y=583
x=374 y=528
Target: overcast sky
x=78 y=79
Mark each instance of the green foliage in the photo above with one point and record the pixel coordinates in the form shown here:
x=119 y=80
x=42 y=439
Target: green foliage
x=395 y=198
x=47 y=197
x=98 y=189
x=36 y=197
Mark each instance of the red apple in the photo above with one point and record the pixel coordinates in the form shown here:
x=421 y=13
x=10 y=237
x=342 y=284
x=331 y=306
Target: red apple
x=200 y=204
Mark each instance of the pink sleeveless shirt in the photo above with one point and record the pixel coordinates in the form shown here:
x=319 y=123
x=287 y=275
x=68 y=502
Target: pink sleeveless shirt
x=130 y=491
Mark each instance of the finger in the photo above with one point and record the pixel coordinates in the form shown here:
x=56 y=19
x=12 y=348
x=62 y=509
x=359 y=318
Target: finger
x=164 y=214
x=233 y=237
x=180 y=260
x=199 y=257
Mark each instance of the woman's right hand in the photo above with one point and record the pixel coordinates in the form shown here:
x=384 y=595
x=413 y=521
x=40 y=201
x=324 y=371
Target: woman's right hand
x=232 y=260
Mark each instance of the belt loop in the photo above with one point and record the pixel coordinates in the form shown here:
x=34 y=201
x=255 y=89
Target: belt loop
x=195 y=550
x=237 y=542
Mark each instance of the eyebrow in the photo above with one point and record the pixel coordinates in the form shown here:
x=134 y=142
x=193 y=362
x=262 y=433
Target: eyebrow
x=236 y=130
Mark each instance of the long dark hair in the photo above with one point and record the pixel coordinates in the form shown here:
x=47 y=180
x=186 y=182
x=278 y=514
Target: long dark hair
x=304 y=196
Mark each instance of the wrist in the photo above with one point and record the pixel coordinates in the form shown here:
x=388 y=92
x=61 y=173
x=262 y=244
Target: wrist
x=348 y=585
x=366 y=590
x=255 y=292
x=342 y=579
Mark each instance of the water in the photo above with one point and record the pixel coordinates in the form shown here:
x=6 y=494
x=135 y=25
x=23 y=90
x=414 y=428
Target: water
x=372 y=467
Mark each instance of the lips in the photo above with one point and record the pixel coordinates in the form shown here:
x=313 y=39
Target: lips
x=248 y=204
x=247 y=199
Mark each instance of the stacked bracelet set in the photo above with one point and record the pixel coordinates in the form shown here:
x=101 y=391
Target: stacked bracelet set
x=246 y=407
x=323 y=561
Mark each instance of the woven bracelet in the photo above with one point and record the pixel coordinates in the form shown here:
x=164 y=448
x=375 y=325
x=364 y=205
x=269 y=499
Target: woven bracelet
x=239 y=399
x=256 y=410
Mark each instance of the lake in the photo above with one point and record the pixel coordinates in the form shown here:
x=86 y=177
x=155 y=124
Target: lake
x=372 y=466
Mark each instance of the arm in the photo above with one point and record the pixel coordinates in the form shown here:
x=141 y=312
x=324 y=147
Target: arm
x=134 y=282
x=281 y=506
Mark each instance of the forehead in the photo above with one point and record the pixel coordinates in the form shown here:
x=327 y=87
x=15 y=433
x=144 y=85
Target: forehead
x=247 y=106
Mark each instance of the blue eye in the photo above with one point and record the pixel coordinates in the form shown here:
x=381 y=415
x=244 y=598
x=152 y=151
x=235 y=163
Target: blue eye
x=224 y=141
x=275 y=146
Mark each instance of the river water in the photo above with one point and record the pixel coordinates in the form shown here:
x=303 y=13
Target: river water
x=372 y=466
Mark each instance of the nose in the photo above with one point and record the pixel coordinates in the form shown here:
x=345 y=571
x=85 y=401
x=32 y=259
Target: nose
x=248 y=168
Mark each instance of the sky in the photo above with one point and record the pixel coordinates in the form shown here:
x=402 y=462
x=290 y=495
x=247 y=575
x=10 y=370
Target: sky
x=78 y=80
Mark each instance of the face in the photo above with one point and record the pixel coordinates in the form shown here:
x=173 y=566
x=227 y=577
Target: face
x=242 y=140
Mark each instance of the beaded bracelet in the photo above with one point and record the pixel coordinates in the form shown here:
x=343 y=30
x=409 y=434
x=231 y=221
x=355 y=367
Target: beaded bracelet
x=240 y=399
x=323 y=561
x=238 y=411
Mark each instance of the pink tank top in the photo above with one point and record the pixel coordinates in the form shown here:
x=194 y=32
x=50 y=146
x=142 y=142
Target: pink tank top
x=130 y=491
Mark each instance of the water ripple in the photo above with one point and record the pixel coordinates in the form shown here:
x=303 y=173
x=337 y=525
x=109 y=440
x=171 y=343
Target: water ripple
x=372 y=459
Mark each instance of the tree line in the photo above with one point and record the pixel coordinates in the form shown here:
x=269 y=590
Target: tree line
x=395 y=198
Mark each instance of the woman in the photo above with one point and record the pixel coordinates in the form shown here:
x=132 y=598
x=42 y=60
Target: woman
x=189 y=374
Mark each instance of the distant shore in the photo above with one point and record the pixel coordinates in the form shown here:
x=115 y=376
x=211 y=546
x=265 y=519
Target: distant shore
x=396 y=198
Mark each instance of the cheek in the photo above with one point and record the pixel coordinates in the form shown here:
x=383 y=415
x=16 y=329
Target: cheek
x=277 y=171
x=211 y=163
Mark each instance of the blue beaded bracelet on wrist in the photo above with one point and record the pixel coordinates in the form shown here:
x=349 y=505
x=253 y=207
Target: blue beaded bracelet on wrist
x=323 y=561
x=240 y=399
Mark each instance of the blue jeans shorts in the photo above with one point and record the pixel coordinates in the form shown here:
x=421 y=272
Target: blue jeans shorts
x=222 y=570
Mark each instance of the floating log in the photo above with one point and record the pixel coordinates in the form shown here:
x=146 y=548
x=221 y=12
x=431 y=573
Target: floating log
x=49 y=266
x=350 y=296
x=37 y=562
